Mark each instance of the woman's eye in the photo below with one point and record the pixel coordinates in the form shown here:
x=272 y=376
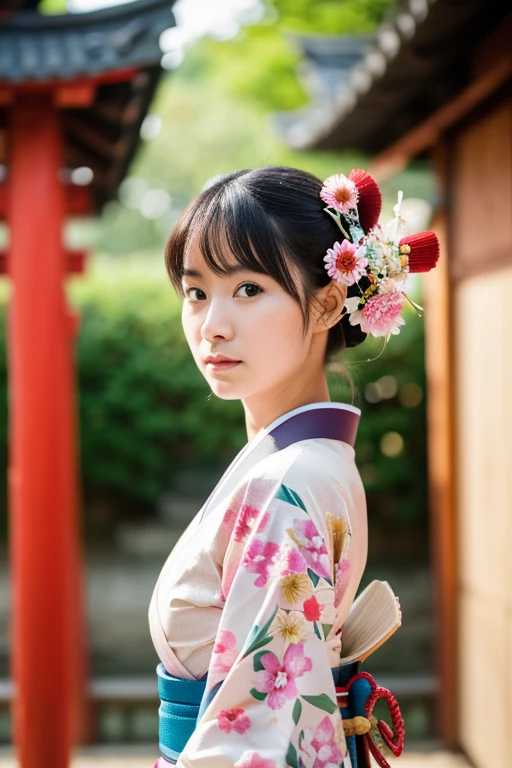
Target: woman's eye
x=252 y=289
x=188 y=293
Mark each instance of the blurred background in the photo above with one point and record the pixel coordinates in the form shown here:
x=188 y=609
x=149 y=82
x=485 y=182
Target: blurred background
x=418 y=93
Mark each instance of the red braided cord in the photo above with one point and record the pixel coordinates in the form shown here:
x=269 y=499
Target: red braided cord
x=377 y=754
x=394 y=740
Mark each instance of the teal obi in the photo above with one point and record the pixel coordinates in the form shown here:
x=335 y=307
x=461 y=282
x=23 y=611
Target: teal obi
x=180 y=701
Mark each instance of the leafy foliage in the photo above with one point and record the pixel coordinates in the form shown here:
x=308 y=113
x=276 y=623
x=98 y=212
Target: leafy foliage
x=52 y=6
x=331 y=17
x=216 y=111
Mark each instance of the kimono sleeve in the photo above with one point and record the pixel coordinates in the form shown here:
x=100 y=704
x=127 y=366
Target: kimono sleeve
x=270 y=700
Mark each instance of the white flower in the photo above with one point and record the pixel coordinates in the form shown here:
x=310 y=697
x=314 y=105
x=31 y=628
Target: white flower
x=390 y=286
x=291 y=625
x=393 y=228
x=352 y=303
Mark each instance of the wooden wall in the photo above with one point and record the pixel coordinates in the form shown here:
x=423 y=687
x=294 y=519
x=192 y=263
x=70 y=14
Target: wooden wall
x=479 y=173
x=438 y=303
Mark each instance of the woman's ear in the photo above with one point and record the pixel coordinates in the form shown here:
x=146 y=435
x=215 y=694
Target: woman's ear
x=328 y=305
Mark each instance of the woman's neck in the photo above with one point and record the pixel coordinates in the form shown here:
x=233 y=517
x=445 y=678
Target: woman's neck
x=262 y=410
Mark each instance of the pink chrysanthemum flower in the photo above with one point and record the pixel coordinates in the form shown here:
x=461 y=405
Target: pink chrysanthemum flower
x=380 y=316
x=340 y=193
x=346 y=262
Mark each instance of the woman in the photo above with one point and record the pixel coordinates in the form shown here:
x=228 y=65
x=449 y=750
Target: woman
x=278 y=272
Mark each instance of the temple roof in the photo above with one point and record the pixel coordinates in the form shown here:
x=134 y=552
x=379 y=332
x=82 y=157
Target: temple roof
x=326 y=63
x=418 y=59
x=117 y=49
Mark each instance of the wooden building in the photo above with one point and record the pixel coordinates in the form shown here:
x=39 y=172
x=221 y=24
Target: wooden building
x=436 y=83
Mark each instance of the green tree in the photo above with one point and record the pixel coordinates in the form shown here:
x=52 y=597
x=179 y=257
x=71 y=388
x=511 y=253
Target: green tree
x=216 y=110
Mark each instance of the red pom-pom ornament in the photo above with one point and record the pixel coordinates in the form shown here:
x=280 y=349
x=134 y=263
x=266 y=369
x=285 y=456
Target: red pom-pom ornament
x=421 y=249
x=369 y=205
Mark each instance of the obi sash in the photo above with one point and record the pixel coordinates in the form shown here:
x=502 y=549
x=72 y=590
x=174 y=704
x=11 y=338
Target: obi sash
x=180 y=701
x=356 y=691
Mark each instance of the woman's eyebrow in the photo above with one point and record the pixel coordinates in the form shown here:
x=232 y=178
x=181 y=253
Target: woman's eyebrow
x=229 y=270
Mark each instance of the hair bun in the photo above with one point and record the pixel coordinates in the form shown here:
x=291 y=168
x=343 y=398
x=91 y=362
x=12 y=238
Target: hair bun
x=369 y=205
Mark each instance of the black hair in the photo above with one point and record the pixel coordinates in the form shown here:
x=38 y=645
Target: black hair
x=268 y=217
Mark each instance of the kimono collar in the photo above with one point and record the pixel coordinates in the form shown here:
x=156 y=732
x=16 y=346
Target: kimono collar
x=338 y=421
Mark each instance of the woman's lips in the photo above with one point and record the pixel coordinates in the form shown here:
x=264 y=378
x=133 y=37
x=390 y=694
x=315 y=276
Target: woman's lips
x=223 y=365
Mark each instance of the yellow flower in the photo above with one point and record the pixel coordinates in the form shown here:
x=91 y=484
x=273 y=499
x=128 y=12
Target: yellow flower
x=296 y=586
x=291 y=625
x=338 y=527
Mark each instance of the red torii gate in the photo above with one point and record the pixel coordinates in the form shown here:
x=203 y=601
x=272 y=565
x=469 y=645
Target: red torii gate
x=49 y=653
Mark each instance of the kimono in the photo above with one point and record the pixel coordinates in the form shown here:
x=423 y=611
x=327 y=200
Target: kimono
x=253 y=598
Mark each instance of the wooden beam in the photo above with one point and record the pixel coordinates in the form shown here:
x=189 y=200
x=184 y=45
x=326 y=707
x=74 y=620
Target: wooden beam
x=74 y=260
x=59 y=88
x=441 y=461
x=396 y=157
x=101 y=144
x=78 y=95
x=77 y=200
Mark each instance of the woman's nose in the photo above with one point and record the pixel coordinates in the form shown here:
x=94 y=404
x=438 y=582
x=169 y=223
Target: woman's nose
x=217 y=323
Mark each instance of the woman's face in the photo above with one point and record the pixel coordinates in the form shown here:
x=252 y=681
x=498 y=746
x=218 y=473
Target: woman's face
x=248 y=317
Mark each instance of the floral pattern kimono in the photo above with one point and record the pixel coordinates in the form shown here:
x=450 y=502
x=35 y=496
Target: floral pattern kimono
x=254 y=596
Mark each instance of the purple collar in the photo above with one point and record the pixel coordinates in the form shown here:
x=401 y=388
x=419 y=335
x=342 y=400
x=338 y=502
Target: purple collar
x=335 y=423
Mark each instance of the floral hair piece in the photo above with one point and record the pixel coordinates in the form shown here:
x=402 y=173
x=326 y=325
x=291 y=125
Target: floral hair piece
x=373 y=259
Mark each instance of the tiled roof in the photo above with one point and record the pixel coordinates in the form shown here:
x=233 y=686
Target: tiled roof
x=419 y=59
x=326 y=64
x=38 y=47
x=35 y=48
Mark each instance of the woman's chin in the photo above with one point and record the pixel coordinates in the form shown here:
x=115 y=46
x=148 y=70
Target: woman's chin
x=226 y=391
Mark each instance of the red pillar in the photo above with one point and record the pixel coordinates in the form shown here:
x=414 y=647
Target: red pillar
x=44 y=541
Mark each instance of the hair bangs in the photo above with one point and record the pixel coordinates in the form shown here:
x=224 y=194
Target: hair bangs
x=236 y=228
x=231 y=227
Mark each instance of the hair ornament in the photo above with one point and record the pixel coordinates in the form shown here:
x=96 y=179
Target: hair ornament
x=375 y=260
x=370 y=198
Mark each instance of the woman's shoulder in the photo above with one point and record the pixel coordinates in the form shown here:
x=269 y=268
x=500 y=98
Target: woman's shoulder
x=322 y=470
x=322 y=460
x=327 y=467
